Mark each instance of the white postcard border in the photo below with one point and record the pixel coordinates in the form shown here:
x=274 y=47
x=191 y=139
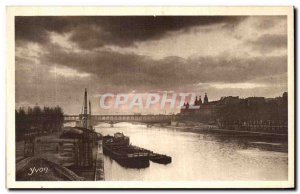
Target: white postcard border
x=98 y=11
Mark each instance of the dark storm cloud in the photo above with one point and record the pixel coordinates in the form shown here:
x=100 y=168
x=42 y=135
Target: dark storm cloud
x=96 y=31
x=55 y=73
x=269 y=42
x=35 y=29
x=267 y=22
x=136 y=71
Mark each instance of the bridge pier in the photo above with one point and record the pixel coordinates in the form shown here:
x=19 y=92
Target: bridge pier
x=162 y=124
x=111 y=124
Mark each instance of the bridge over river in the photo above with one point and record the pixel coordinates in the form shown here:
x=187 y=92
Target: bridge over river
x=112 y=119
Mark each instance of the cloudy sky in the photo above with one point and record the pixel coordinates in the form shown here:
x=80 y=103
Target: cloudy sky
x=57 y=57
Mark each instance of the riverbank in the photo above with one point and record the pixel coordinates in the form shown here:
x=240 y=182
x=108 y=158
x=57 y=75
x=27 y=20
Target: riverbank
x=260 y=140
x=215 y=129
x=59 y=156
x=41 y=169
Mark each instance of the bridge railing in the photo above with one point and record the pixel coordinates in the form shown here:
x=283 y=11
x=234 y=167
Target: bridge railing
x=120 y=118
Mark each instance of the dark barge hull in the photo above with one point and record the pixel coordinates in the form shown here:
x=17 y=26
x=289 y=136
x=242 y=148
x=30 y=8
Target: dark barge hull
x=161 y=159
x=125 y=161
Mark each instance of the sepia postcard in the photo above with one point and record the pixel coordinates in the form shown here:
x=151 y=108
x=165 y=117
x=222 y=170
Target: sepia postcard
x=150 y=97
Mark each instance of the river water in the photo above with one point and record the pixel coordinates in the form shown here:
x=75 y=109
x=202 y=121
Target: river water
x=196 y=156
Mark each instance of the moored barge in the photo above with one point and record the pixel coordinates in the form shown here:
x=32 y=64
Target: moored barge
x=160 y=158
x=118 y=147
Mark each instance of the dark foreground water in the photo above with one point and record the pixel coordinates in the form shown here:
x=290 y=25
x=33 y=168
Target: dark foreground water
x=197 y=156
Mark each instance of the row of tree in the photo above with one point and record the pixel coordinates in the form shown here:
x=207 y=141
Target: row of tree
x=275 y=110
x=48 y=119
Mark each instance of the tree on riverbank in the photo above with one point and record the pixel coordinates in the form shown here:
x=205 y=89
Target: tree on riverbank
x=254 y=109
x=47 y=119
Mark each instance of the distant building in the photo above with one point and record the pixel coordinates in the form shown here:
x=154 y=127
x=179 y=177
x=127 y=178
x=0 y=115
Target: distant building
x=200 y=101
x=205 y=99
x=201 y=110
x=271 y=109
x=285 y=96
x=229 y=100
x=255 y=100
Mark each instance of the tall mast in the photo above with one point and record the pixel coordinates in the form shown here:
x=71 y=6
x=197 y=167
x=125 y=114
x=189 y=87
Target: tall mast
x=85 y=110
x=90 y=115
x=90 y=108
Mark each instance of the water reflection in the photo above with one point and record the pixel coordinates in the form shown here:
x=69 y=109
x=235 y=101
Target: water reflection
x=199 y=156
